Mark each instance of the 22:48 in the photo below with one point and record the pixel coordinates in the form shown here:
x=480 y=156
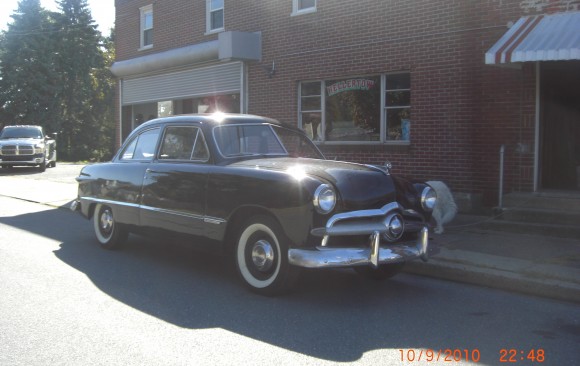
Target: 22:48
x=511 y=355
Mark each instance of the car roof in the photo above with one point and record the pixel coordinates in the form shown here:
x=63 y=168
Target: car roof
x=214 y=119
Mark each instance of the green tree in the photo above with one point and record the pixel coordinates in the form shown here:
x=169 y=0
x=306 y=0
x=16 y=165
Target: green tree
x=79 y=56
x=104 y=88
x=29 y=82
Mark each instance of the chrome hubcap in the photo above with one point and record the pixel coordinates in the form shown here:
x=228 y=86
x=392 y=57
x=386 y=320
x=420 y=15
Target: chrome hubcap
x=263 y=255
x=106 y=221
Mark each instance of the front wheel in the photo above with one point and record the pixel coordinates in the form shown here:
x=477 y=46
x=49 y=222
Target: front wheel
x=384 y=271
x=42 y=167
x=261 y=257
x=109 y=233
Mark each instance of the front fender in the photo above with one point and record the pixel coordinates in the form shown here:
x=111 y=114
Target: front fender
x=287 y=199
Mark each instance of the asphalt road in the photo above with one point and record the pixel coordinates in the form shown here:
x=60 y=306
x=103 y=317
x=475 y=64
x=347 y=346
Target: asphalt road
x=63 y=300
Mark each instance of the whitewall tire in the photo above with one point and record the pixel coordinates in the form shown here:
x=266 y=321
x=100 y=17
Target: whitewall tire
x=261 y=257
x=108 y=232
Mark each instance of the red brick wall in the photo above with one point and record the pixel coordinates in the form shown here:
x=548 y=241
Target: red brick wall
x=462 y=109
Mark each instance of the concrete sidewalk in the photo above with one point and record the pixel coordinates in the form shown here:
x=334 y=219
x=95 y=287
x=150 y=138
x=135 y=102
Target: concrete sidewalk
x=533 y=264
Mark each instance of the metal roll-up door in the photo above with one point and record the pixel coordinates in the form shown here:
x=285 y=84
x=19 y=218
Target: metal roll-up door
x=210 y=80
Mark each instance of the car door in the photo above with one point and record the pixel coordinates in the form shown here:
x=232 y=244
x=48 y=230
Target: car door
x=119 y=183
x=175 y=185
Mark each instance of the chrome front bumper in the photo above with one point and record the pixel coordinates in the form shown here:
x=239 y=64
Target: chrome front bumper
x=375 y=254
x=325 y=257
x=32 y=161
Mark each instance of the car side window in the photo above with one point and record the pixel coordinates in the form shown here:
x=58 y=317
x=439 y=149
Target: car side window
x=142 y=147
x=183 y=143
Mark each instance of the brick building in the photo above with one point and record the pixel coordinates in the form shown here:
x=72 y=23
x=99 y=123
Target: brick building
x=434 y=87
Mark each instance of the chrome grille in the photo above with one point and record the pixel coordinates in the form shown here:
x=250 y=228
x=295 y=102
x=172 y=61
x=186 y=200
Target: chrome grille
x=17 y=150
x=25 y=150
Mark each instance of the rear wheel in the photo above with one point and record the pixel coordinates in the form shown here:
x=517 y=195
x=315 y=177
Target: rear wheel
x=384 y=271
x=261 y=256
x=109 y=233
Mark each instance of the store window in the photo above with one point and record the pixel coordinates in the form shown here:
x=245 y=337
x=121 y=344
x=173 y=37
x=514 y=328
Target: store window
x=365 y=109
x=398 y=107
x=165 y=108
x=303 y=6
x=146 y=26
x=215 y=15
x=227 y=103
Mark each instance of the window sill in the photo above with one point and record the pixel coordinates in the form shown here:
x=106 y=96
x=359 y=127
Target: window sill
x=214 y=31
x=369 y=147
x=367 y=143
x=144 y=48
x=301 y=12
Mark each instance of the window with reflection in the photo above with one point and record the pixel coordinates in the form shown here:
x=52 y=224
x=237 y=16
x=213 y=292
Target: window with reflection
x=142 y=146
x=146 y=26
x=215 y=15
x=183 y=143
x=303 y=6
x=360 y=109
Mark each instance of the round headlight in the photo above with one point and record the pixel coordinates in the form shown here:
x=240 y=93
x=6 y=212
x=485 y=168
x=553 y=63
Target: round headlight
x=428 y=198
x=324 y=199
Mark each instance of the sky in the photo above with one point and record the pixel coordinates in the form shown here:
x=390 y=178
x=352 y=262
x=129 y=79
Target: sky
x=103 y=12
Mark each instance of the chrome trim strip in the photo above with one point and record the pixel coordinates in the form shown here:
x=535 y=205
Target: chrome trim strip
x=324 y=257
x=99 y=200
x=211 y=220
x=206 y=219
x=172 y=212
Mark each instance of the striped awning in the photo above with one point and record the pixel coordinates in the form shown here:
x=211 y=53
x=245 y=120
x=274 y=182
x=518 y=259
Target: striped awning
x=553 y=37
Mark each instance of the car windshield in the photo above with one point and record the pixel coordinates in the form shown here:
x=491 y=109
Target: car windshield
x=21 y=133
x=264 y=140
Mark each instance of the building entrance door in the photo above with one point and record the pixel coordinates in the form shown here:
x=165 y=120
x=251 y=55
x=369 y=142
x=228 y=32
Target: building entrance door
x=560 y=125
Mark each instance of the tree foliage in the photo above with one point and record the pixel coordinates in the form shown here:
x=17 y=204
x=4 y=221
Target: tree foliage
x=53 y=70
x=29 y=82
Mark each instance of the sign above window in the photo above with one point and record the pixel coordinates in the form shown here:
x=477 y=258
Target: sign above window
x=351 y=84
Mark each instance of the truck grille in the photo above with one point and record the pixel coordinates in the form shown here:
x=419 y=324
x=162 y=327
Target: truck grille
x=17 y=150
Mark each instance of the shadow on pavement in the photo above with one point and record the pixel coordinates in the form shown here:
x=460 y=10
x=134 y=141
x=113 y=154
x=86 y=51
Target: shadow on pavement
x=333 y=315
x=19 y=171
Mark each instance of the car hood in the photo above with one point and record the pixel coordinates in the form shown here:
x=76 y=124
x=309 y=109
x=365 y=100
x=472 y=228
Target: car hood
x=20 y=142
x=359 y=186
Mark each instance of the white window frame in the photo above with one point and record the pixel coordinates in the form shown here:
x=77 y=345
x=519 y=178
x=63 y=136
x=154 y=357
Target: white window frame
x=208 y=12
x=297 y=11
x=143 y=12
x=383 y=114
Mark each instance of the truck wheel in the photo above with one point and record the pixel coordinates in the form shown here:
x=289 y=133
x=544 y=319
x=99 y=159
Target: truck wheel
x=42 y=167
x=384 y=271
x=261 y=257
x=109 y=233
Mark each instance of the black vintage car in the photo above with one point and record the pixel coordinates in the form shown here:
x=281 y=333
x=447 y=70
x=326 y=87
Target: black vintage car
x=260 y=191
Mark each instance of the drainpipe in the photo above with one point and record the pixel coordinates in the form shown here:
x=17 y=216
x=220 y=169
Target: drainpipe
x=501 y=154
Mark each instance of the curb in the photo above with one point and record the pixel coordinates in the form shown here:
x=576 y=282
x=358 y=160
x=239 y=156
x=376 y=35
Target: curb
x=494 y=278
